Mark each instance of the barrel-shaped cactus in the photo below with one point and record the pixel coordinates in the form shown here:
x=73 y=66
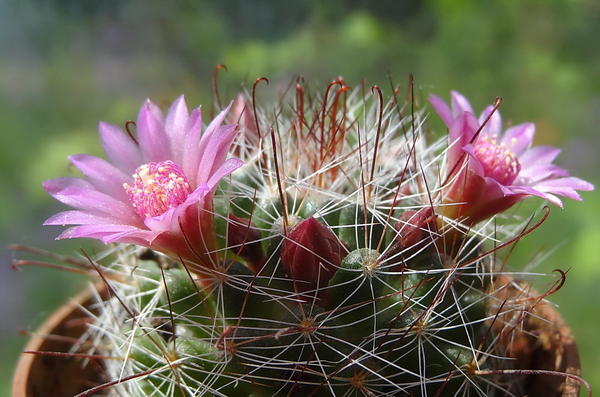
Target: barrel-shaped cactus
x=329 y=246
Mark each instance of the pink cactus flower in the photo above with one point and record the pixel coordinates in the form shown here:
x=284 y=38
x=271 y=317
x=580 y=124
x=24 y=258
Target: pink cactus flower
x=157 y=191
x=490 y=170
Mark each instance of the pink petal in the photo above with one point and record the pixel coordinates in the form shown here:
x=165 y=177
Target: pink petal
x=213 y=128
x=216 y=150
x=460 y=134
x=105 y=233
x=493 y=127
x=442 y=109
x=191 y=152
x=95 y=231
x=55 y=185
x=81 y=218
x=214 y=145
x=554 y=200
x=120 y=148
x=225 y=169
x=169 y=220
x=176 y=124
x=131 y=236
x=105 y=177
x=79 y=194
x=460 y=104
x=540 y=172
x=519 y=138
x=151 y=135
x=526 y=190
x=494 y=190
x=164 y=222
x=565 y=187
x=538 y=155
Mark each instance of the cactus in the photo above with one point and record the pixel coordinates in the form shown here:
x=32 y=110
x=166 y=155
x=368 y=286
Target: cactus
x=342 y=251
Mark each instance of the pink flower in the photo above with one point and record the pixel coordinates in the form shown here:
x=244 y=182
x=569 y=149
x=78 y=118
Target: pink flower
x=490 y=171
x=156 y=192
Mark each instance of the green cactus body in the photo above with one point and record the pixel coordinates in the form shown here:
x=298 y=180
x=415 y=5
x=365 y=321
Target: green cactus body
x=391 y=313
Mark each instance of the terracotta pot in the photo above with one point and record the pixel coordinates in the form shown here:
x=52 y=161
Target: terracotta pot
x=43 y=375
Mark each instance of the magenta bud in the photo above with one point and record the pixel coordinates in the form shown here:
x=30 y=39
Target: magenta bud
x=244 y=239
x=416 y=228
x=311 y=254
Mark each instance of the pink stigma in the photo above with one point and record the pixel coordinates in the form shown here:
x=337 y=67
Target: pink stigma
x=498 y=162
x=157 y=187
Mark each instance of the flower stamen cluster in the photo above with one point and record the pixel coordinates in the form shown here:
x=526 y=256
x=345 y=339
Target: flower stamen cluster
x=499 y=162
x=157 y=188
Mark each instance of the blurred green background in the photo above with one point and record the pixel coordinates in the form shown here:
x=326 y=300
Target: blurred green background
x=67 y=64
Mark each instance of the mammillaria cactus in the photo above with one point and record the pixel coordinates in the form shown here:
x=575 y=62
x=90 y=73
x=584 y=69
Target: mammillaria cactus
x=329 y=246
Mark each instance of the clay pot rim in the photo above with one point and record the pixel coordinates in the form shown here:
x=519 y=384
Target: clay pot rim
x=23 y=371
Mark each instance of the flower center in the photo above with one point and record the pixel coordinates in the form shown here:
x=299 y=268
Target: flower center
x=157 y=187
x=497 y=160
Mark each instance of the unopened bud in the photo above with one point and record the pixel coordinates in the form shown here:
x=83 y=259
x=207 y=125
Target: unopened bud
x=415 y=230
x=243 y=238
x=242 y=114
x=311 y=254
x=416 y=227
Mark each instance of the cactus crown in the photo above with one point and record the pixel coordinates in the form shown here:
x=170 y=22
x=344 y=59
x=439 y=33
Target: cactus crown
x=329 y=263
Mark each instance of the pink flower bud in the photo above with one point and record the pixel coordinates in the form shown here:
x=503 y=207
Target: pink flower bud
x=311 y=254
x=415 y=228
x=244 y=239
x=242 y=114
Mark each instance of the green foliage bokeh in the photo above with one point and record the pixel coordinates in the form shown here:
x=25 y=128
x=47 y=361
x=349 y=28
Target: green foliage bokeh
x=67 y=64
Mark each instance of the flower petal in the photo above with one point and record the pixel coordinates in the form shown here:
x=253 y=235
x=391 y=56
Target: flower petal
x=109 y=233
x=538 y=155
x=214 y=145
x=191 y=152
x=493 y=126
x=565 y=187
x=120 y=148
x=225 y=169
x=55 y=185
x=460 y=134
x=131 y=236
x=105 y=177
x=176 y=124
x=81 y=218
x=151 y=134
x=217 y=150
x=518 y=138
x=460 y=104
x=529 y=191
x=536 y=173
x=79 y=194
x=442 y=109
x=169 y=220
